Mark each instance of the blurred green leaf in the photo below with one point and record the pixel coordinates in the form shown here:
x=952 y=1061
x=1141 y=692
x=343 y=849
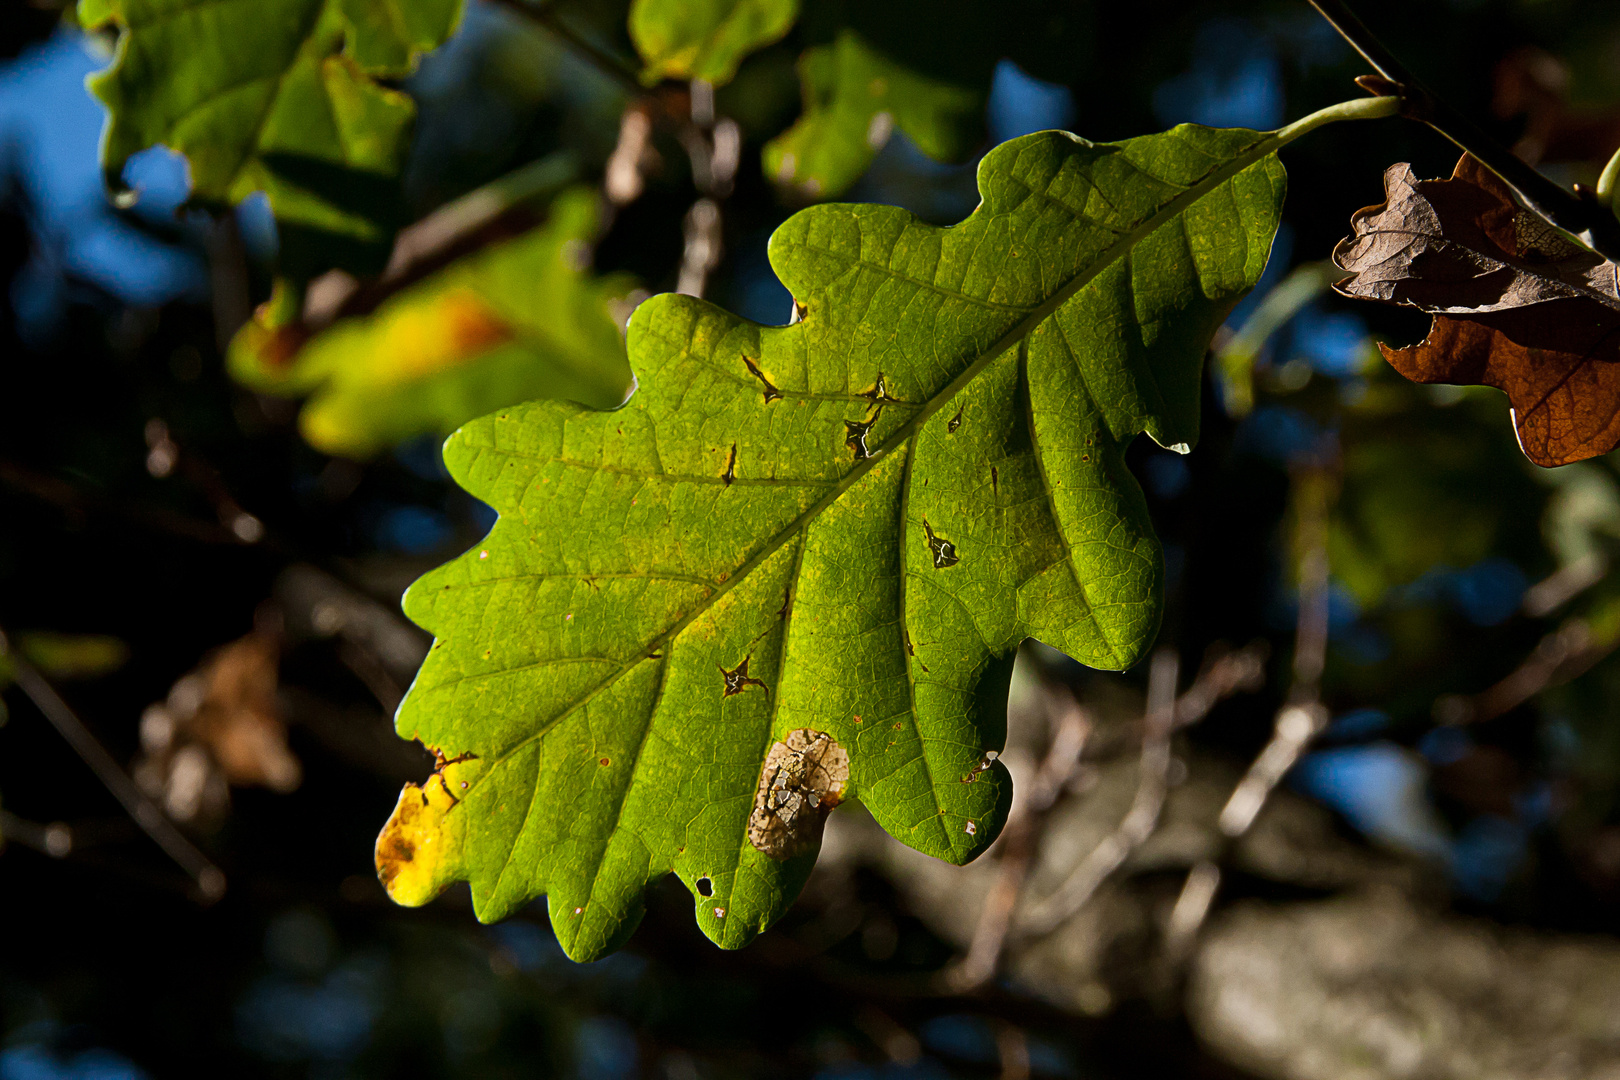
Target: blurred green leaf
x=846 y=526
x=1427 y=488
x=924 y=69
x=279 y=96
x=705 y=39
x=854 y=98
x=518 y=320
x=65 y=656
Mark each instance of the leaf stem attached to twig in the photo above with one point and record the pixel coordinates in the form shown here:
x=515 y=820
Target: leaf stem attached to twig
x=1587 y=219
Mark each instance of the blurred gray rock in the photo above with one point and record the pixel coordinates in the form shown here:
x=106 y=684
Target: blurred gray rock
x=1372 y=987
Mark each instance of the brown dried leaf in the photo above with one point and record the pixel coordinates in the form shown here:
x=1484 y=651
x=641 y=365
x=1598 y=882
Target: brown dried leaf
x=1517 y=306
x=239 y=720
x=220 y=727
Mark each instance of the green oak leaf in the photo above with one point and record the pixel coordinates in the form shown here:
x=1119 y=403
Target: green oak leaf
x=846 y=525
x=278 y=96
x=705 y=39
x=517 y=320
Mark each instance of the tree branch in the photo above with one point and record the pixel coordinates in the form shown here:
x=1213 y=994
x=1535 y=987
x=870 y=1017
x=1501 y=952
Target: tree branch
x=209 y=878
x=1590 y=220
x=606 y=62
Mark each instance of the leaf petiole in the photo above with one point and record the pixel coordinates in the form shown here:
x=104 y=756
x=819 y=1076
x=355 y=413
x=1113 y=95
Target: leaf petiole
x=1553 y=202
x=1369 y=108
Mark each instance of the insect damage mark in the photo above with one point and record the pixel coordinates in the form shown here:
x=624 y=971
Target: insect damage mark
x=737 y=679
x=982 y=766
x=440 y=763
x=802 y=779
x=911 y=652
x=879 y=392
x=955 y=421
x=942 y=550
x=995 y=481
x=855 y=432
x=731 y=467
x=771 y=392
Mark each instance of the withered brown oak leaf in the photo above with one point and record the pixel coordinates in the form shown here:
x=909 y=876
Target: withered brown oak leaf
x=1516 y=305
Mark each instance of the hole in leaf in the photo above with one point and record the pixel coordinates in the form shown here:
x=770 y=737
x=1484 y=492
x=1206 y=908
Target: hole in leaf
x=705 y=887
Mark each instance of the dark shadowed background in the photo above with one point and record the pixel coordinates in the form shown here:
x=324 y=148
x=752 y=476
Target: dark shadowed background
x=153 y=513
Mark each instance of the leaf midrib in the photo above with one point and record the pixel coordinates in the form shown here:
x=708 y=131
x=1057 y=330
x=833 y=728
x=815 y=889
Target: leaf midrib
x=1022 y=329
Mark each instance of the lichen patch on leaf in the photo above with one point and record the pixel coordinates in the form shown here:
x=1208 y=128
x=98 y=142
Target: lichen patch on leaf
x=803 y=778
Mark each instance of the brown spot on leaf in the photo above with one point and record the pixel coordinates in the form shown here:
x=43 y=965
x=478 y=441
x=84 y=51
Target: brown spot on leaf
x=771 y=392
x=878 y=393
x=737 y=679
x=941 y=549
x=1516 y=306
x=855 y=432
x=981 y=766
x=731 y=467
x=803 y=777
x=955 y=422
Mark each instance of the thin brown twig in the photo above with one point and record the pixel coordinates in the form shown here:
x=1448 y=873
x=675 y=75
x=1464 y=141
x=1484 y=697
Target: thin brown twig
x=610 y=65
x=1223 y=674
x=79 y=504
x=1556 y=659
x=714 y=146
x=55 y=839
x=1012 y=1047
x=209 y=878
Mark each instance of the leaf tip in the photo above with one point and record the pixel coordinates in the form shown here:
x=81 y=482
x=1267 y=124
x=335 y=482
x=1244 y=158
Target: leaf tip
x=418 y=852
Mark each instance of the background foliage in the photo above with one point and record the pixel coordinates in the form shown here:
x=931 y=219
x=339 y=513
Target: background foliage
x=148 y=497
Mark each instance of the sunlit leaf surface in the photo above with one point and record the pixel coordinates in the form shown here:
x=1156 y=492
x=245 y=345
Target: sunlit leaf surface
x=707 y=39
x=840 y=528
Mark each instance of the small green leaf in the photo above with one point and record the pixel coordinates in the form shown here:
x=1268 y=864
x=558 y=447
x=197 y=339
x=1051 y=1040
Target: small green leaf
x=854 y=98
x=276 y=96
x=842 y=528
x=921 y=67
x=705 y=39
x=518 y=320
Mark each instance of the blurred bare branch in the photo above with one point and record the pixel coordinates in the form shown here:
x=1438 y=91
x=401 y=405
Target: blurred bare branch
x=1070 y=725
x=714 y=146
x=1153 y=784
x=1224 y=674
x=1557 y=658
x=209 y=878
x=1299 y=721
